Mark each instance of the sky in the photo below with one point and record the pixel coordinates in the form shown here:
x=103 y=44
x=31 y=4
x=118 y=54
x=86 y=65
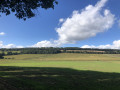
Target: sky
x=73 y=23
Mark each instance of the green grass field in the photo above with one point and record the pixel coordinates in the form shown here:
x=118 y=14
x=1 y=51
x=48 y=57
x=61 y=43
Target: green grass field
x=64 y=71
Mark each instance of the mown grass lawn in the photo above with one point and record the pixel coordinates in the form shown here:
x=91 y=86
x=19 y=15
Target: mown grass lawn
x=60 y=72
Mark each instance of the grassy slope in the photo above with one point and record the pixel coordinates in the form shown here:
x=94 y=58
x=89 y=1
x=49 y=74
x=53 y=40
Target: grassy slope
x=61 y=72
x=95 y=62
x=67 y=56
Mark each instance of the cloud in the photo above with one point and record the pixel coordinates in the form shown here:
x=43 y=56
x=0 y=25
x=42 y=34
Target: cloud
x=46 y=43
x=61 y=20
x=85 y=24
x=2 y=33
x=115 y=45
x=9 y=45
x=82 y=25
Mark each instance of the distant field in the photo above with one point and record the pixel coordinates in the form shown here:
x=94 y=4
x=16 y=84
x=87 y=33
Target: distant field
x=64 y=71
x=96 y=62
x=67 y=57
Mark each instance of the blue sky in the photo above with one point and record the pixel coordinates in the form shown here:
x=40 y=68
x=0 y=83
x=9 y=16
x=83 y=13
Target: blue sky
x=46 y=29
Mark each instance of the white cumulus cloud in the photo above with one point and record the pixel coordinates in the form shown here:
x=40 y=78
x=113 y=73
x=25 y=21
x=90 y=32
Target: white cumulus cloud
x=85 y=24
x=114 y=45
x=9 y=45
x=2 y=33
x=82 y=25
x=47 y=43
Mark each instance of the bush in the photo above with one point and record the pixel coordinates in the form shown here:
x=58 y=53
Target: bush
x=1 y=56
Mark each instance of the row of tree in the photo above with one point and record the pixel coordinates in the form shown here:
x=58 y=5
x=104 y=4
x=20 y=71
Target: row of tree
x=40 y=51
x=51 y=50
x=1 y=56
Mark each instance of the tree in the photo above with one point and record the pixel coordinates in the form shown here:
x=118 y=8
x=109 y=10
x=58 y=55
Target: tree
x=24 y=9
x=1 y=56
x=9 y=53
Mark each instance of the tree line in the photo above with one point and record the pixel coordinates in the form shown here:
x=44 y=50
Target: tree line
x=51 y=50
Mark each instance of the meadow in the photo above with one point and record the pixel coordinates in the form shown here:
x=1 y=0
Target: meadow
x=64 y=71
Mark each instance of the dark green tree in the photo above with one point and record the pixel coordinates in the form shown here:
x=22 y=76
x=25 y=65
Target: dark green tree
x=9 y=53
x=24 y=9
x=1 y=56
